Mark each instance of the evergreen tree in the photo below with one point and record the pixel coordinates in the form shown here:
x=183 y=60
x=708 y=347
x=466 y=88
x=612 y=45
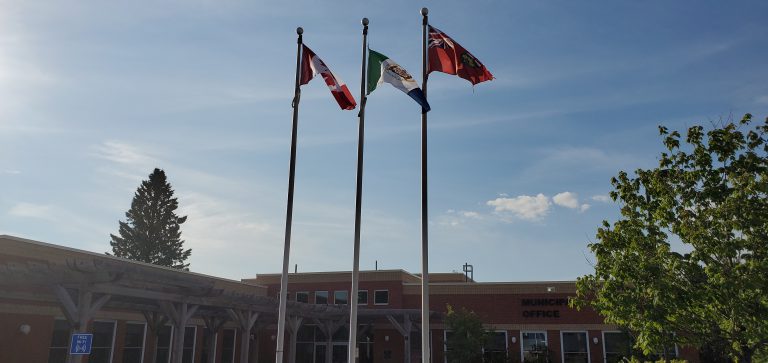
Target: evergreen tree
x=151 y=233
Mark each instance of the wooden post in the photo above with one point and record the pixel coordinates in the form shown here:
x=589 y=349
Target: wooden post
x=405 y=331
x=245 y=320
x=80 y=313
x=155 y=321
x=294 y=323
x=212 y=326
x=179 y=314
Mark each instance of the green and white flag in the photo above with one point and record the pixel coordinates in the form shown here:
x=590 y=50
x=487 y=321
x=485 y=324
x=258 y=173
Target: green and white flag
x=382 y=69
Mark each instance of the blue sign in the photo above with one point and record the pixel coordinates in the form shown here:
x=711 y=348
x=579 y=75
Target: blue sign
x=81 y=344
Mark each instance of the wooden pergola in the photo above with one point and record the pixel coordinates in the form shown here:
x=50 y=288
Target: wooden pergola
x=83 y=283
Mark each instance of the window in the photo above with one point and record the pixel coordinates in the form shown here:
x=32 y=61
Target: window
x=302 y=296
x=208 y=350
x=228 y=346
x=534 y=345
x=57 y=353
x=575 y=347
x=163 y=344
x=381 y=297
x=188 y=356
x=103 y=339
x=495 y=347
x=616 y=346
x=321 y=297
x=133 y=343
x=340 y=297
x=362 y=297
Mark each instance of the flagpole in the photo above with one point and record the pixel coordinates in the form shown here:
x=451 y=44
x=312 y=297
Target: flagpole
x=289 y=213
x=425 y=346
x=352 y=356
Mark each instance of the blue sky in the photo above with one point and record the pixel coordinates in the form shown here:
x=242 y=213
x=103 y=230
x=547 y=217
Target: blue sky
x=94 y=95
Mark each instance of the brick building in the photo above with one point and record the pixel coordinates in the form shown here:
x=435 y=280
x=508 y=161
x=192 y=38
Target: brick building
x=136 y=312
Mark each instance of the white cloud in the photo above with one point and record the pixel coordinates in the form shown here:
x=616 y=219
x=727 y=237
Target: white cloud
x=30 y=210
x=524 y=206
x=455 y=218
x=470 y=214
x=566 y=199
x=10 y=172
x=762 y=100
x=601 y=198
x=123 y=153
x=570 y=200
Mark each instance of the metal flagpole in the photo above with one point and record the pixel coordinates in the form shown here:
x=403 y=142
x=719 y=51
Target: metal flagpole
x=289 y=214
x=352 y=356
x=425 y=346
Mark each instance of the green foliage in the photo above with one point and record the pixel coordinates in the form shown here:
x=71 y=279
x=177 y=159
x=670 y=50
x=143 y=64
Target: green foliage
x=709 y=194
x=152 y=231
x=466 y=338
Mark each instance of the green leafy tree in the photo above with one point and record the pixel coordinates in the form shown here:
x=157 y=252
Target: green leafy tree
x=152 y=231
x=466 y=336
x=709 y=195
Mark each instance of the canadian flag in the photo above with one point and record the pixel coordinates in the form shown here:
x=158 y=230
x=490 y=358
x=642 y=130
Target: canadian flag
x=311 y=65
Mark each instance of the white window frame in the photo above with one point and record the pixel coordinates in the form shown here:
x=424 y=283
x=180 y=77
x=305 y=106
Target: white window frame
x=144 y=338
x=215 y=344
x=69 y=336
x=358 y=298
x=327 y=297
x=234 y=343
x=296 y=296
x=114 y=335
x=605 y=353
x=374 y=297
x=334 y=297
x=194 y=342
x=522 y=352
x=445 y=345
x=170 y=343
x=506 y=342
x=562 y=351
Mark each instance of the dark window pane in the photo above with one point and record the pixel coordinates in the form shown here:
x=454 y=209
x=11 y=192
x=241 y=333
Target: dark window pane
x=103 y=332
x=60 y=336
x=132 y=355
x=341 y=335
x=362 y=297
x=381 y=297
x=306 y=333
x=134 y=335
x=99 y=355
x=302 y=297
x=228 y=346
x=58 y=355
x=340 y=297
x=189 y=336
x=321 y=297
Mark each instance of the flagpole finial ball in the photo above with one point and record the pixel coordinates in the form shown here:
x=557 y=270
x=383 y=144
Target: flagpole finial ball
x=364 y=21
x=424 y=11
x=299 y=30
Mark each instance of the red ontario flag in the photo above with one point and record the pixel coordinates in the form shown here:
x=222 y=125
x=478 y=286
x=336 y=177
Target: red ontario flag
x=447 y=56
x=311 y=65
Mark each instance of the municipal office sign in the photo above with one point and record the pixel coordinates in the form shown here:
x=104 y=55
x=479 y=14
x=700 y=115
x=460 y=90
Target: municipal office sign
x=81 y=344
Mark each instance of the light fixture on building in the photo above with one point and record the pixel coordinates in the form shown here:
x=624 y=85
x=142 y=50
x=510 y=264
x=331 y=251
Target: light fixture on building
x=272 y=337
x=550 y=289
x=25 y=329
x=514 y=340
x=386 y=338
x=594 y=340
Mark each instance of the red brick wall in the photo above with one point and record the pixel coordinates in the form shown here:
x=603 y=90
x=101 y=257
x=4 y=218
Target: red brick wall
x=17 y=347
